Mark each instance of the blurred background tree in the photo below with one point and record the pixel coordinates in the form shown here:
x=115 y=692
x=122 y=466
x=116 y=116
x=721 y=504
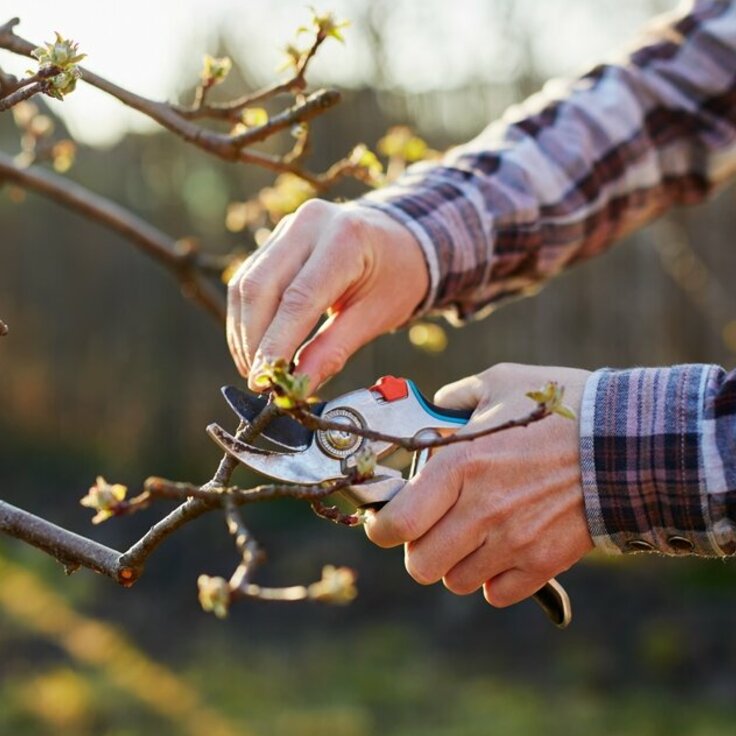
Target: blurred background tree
x=107 y=369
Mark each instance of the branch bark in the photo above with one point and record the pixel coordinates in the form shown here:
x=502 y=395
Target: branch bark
x=71 y=549
x=20 y=94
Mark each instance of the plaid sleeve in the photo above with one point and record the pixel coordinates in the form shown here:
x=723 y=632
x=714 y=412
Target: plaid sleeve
x=658 y=460
x=576 y=166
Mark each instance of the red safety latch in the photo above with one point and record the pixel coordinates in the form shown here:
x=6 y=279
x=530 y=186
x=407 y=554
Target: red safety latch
x=391 y=388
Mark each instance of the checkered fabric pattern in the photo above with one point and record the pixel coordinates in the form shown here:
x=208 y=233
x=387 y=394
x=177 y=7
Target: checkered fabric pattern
x=556 y=181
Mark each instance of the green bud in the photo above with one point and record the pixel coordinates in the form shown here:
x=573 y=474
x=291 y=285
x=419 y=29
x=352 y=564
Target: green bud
x=215 y=70
x=550 y=397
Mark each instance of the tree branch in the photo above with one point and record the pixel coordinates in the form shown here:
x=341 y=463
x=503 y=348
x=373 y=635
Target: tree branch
x=224 y=146
x=314 y=105
x=75 y=551
x=71 y=549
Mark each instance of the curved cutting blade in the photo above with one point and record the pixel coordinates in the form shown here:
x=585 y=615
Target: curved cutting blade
x=307 y=467
x=282 y=430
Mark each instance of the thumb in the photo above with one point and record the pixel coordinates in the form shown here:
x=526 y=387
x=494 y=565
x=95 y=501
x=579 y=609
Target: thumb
x=466 y=393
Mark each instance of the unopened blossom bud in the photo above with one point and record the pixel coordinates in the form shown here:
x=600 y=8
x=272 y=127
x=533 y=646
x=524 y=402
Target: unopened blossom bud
x=105 y=498
x=214 y=595
x=336 y=586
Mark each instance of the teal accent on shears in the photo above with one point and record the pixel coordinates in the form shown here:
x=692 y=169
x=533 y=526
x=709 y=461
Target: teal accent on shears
x=433 y=411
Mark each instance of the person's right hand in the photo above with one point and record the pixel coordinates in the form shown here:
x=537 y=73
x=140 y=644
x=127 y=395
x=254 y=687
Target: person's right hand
x=362 y=267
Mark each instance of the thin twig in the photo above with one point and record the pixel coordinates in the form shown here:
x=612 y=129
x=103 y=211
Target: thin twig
x=251 y=590
x=232 y=110
x=314 y=422
x=218 y=495
x=251 y=554
x=332 y=513
x=302 y=112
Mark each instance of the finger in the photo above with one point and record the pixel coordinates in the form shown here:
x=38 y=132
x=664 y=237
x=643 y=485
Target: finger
x=466 y=393
x=263 y=282
x=232 y=327
x=450 y=540
x=469 y=574
x=511 y=586
x=343 y=334
x=319 y=284
x=421 y=503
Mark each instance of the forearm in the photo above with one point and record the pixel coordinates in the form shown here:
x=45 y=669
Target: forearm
x=577 y=166
x=658 y=460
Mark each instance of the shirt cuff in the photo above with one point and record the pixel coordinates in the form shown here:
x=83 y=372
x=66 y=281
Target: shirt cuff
x=643 y=445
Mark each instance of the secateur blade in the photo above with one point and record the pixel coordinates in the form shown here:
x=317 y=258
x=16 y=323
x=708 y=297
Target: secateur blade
x=282 y=430
x=307 y=467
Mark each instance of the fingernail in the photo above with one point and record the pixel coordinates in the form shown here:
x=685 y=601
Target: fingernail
x=255 y=370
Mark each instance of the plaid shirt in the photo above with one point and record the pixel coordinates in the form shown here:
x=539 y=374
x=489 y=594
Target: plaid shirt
x=557 y=180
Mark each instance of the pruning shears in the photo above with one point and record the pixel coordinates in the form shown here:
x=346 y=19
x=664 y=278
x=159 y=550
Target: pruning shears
x=297 y=454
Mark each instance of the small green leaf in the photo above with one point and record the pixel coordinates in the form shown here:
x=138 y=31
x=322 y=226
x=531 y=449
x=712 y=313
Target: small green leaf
x=565 y=411
x=215 y=70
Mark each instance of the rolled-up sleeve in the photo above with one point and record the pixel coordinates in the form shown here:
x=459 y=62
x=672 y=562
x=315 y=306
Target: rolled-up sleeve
x=582 y=163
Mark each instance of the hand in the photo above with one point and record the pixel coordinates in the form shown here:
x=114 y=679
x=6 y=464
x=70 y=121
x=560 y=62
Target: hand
x=504 y=512
x=358 y=264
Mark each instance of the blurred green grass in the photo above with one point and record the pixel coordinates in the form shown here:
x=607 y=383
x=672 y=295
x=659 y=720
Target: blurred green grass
x=382 y=680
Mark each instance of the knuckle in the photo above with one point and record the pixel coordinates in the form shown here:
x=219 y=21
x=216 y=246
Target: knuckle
x=297 y=298
x=379 y=535
x=419 y=570
x=519 y=537
x=541 y=561
x=390 y=528
x=458 y=584
x=335 y=360
x=473 y=463
x=350 y=228
x=251 y=288
x=500 y=371
x=311 y=208
x=401 y=526
x=475 y=466
x=498 y=598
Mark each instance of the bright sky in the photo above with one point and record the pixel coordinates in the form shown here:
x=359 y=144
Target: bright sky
x=153 y=46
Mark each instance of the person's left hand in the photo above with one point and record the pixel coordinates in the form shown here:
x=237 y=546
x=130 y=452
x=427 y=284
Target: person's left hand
x=505 y=511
